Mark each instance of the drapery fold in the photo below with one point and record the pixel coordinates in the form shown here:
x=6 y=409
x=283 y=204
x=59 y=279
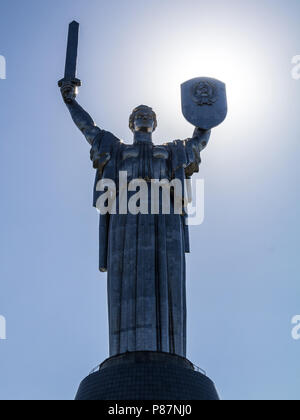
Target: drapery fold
x=144 y=254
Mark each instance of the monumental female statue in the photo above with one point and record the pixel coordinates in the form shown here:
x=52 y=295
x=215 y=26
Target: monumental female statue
x=144 y=254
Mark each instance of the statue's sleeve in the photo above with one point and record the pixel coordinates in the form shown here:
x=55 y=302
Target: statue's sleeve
x=104 y=155
x=185 y=154
x=184 y=162
x=102 y=149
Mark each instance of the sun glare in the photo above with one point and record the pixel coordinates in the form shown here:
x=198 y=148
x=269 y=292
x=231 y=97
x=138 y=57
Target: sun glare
x=242 y=68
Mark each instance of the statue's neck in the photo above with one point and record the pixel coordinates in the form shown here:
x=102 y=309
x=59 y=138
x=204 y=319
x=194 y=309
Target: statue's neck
x=142 y=137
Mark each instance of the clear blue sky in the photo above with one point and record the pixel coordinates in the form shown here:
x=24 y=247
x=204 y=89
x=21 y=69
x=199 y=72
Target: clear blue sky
x=243 y=272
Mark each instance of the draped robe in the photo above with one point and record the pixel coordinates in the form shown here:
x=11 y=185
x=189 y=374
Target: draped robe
x=144 y=254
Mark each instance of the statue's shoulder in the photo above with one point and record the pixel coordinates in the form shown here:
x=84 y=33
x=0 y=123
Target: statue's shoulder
x=105 y=141
x=175 y=145
x=107 y=135
x=104 y=148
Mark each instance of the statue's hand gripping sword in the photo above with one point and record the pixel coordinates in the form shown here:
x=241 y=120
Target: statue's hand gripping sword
x=71 y=58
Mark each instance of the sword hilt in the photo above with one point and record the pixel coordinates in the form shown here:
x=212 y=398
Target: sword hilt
x=75 y=82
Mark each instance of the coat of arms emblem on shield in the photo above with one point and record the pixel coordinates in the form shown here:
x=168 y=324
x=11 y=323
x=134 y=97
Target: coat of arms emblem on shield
x=204 y=93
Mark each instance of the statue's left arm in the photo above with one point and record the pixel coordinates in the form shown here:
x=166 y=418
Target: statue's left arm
x=201 y=137
x=193 y=148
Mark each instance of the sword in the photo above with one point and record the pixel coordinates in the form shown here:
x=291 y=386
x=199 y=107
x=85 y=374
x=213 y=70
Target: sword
x=71 y=58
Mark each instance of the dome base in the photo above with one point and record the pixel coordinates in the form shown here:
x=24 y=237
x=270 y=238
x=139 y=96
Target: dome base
x=143 y=376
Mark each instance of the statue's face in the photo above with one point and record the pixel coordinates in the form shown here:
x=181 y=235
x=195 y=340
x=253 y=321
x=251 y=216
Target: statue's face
x=144 y=121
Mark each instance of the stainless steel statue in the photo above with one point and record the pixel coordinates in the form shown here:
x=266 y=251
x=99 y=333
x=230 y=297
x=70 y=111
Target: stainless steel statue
x=144 y=254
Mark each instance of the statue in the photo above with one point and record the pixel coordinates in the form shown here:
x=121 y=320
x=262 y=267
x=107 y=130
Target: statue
x=144 y=254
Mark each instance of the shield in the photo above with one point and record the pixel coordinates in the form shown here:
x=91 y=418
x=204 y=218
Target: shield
x=204 y=102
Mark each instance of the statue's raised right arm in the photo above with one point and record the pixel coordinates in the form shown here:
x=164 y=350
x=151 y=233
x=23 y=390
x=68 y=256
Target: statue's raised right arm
x=80 y=117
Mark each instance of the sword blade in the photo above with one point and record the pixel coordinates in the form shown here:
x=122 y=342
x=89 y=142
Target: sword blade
x=72 y=50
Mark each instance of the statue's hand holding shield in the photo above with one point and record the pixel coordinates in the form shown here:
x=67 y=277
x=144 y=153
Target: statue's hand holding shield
x=204 y=102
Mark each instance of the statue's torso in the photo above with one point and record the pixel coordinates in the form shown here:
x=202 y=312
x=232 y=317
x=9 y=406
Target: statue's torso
x=144 y=254
x=145 y=160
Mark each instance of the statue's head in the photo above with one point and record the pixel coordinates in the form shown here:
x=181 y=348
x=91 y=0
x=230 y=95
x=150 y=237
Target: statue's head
x=143 y=118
